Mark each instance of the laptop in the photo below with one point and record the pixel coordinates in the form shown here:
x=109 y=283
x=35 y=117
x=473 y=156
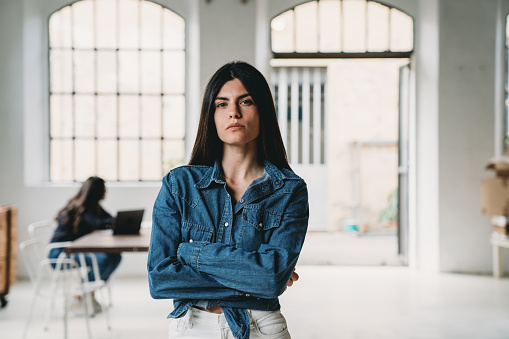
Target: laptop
x=128 y=222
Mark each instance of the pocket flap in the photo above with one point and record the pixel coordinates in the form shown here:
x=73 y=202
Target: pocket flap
x=261 y=219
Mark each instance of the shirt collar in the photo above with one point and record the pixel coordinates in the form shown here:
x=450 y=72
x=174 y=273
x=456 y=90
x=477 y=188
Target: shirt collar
x=215 y=174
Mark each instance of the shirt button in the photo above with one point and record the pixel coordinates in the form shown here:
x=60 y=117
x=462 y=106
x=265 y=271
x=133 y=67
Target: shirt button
x=241 y=200
x=248 y=295
x=190 y=240
x=260 y=224
x=277 y=182
x=226 y=224
x=265 y=187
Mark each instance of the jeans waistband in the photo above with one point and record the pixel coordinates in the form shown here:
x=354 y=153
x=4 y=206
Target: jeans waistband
x=208 y=319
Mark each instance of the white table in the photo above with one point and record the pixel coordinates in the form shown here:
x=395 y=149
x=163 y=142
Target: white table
x=498 y=242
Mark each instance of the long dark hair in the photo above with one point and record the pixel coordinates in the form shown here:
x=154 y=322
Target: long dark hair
x=208 y=147
x=89 y=195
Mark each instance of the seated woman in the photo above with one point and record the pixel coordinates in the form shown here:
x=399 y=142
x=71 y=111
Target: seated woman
x=82 y=215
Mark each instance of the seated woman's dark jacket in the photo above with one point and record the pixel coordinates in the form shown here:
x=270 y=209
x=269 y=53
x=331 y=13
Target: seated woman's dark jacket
x=91 y=219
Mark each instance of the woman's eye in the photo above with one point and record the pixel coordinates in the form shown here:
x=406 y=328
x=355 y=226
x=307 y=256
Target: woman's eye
x=247 y=102
x=221 y=104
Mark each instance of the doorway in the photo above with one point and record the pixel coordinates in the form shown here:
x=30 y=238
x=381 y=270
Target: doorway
x=353 y=111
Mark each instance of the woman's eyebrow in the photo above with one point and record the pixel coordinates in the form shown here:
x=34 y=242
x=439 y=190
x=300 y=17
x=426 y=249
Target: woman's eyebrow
x=239 y=97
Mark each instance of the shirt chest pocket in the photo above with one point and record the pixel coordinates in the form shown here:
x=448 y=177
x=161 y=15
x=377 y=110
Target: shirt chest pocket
x=194 y=232
x=258 y=224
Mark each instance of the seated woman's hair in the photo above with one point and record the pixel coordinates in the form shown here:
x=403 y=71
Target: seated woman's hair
x=89 y=195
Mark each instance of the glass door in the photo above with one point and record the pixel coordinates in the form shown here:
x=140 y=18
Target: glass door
x=403 y=131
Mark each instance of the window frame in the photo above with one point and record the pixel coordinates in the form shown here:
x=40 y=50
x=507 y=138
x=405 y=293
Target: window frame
x=95 y=95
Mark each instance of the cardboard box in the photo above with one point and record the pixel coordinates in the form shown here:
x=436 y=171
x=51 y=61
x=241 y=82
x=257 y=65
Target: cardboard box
x=500 y=165
x=501 y=230
x=495 y=196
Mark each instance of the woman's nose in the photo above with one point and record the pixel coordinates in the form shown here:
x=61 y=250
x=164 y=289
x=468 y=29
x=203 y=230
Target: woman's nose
x=235 y=112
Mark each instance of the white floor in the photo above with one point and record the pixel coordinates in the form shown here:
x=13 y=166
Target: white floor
x=350 y=302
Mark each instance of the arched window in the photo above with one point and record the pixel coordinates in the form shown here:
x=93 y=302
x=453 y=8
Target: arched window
x=326 y=29
x=117 y=83
x=342 y=28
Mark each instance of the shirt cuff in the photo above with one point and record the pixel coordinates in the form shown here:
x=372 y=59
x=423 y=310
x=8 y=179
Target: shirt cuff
x=189 y=253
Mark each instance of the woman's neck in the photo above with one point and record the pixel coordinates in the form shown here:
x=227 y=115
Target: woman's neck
x=240 y=167
x=241 y=162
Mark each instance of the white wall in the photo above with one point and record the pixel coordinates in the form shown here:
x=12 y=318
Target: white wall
x=454 y=57
x=466 y=123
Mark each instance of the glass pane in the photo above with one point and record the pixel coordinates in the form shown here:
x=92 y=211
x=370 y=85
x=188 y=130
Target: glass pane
x=174 y=126
x=107 y=159
x=61 y=115
x=173 y=72
x=330 y=40
x=150 y=25
x=84 y=159
x=60 y=28
x=84 y=107
x=354 y=16
x=61 y=71
x=151 y=160
x=150 y=72
x=83 y=24
x=378 y=27
x=283 y=36
x=306 y=27
x=107 y=116
x=173 y=31
x=84 y=71
x=106 y=23
x=61 y=160
x=129 y=160
x=128 y=116
x=173 y=154
x=128 y=24
x=128 y=72
x=402 y=31
x=106 y=72
x=151 y=117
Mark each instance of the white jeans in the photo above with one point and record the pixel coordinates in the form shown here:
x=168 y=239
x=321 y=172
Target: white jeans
x=198 y=324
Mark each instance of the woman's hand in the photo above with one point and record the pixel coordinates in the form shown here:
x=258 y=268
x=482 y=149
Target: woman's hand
x=294 y=277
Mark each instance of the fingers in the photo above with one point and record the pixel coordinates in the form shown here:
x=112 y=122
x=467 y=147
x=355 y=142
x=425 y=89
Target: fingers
x=294 y=277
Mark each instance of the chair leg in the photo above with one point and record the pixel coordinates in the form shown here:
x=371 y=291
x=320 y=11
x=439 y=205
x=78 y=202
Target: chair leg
x=32 y=306
x=110 y=299
x=86 y=309
x=105 y=309
x=55 y=281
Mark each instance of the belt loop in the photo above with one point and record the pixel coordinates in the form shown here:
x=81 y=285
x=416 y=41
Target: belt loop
x=190 y=319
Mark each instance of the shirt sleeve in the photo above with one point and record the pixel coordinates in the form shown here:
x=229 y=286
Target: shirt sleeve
x=263 y=273
x=168 y=277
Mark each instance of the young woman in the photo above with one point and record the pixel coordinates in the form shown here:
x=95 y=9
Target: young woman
x=82 y=215
x=228 y=228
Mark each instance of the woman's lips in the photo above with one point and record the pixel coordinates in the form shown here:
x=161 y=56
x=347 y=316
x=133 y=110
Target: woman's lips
x=235 y=126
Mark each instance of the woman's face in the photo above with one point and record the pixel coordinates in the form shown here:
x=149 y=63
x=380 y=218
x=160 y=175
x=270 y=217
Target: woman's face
x=236 y=115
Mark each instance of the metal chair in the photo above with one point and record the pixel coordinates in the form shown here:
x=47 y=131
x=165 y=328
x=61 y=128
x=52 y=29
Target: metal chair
x=50 y=283
x=54 y=278
x=43 y=231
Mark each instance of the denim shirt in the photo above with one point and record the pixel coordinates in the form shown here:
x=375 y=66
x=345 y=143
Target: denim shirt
x=203 y=249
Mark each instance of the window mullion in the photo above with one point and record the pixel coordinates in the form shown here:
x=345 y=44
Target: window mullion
x=140 y=141
x=117 y=78
x=73 y=101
